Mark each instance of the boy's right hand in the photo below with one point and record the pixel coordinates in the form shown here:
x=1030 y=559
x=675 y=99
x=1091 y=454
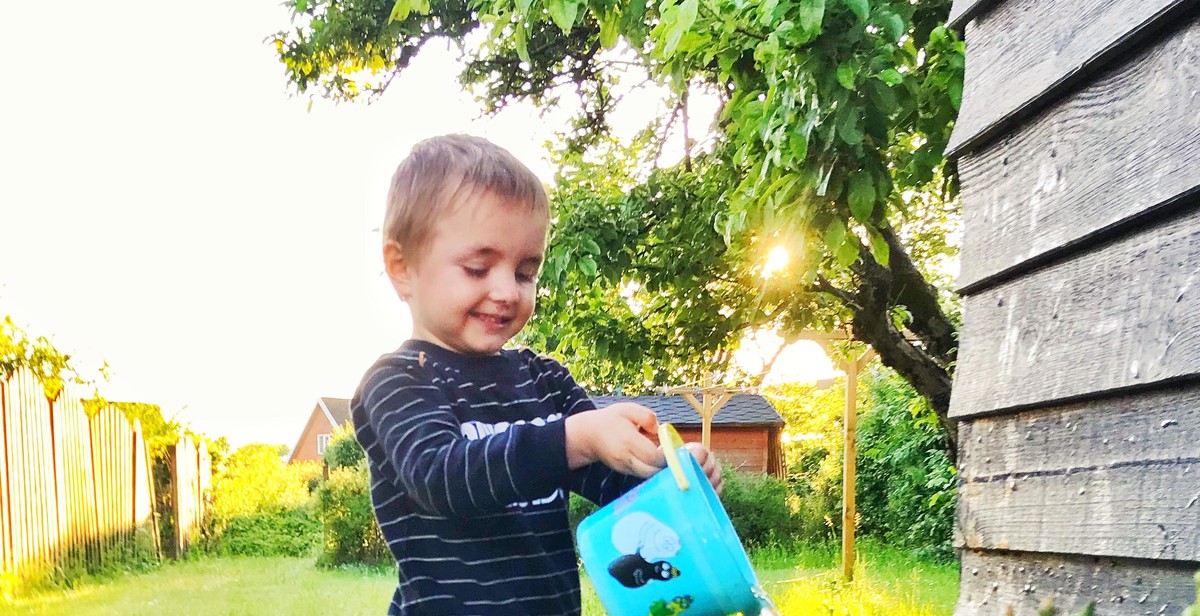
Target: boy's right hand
x=617 y=436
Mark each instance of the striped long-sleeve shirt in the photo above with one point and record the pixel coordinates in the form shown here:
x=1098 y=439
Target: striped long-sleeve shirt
x=469 y=479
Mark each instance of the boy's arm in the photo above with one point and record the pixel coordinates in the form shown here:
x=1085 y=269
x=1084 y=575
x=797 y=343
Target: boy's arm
x=445 y=474
x=594 y=481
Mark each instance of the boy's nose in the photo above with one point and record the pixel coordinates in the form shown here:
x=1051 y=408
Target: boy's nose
x=504 y=289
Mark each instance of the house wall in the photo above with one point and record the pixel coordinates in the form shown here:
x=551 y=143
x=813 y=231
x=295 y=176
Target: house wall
x=747 y=449
x=306 y=447
x=1078 y=147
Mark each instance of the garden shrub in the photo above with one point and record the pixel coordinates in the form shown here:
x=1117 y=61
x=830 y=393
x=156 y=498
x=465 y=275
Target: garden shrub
x=907 y=487
x=351 y=534
x=759 y=507
x=343 y=449
x=261 y=505
x=578 y=508
x=286 y=531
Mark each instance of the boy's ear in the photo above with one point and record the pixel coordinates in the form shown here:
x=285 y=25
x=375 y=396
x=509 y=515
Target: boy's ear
x=398 y=268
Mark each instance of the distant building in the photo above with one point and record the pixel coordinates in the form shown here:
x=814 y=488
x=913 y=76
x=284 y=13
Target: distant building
x=328 y=414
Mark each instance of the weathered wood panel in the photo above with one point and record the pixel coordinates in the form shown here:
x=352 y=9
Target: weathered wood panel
x=1024 y=54
x=966 y=10
x=994 y=582
x=1116 y=477
x=745 y=449
x=1125 y=148
x=1126 y=314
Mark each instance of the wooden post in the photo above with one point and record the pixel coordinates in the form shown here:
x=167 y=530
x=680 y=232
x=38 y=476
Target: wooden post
x=849 y=469
x=850 y=460
x=712 y=398
x=706 y=414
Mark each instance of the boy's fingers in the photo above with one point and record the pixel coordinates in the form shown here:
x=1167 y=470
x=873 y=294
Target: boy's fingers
x=641 y=469
x=647 y=452
x=640 y=416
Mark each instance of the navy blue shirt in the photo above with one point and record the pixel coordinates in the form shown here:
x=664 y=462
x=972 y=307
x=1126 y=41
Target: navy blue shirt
x=469 y=479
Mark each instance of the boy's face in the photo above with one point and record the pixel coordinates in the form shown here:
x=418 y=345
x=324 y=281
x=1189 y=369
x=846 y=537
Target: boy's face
x=473 y=285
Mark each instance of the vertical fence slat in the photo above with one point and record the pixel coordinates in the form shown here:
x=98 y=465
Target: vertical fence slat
x=59 y=410
x=6 y=533
x=18 y=477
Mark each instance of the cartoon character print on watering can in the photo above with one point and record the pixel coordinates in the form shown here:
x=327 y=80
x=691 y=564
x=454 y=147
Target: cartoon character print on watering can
x=645 y=543
x=677 y=606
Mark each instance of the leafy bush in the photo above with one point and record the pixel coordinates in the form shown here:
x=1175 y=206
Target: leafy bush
x=578 y=508
x=287 y=531
x=759 y=507
x=261 y=505
x=343 y=449
x=907 y=487
x=351 y=534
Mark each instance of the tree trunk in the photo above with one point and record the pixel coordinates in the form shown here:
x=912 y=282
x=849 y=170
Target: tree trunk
x=924 y=363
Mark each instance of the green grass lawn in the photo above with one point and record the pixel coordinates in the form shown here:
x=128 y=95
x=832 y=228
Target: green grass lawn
x=803 y=581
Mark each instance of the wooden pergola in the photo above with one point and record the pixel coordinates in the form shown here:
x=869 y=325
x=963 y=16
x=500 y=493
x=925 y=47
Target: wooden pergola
x=709 y=398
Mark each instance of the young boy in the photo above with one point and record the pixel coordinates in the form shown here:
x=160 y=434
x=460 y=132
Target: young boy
x=472 y=448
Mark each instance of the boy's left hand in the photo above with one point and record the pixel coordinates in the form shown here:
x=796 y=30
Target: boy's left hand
x=708 y=462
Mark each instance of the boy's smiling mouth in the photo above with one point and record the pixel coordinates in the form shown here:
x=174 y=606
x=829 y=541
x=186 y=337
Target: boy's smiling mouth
x=492 y=321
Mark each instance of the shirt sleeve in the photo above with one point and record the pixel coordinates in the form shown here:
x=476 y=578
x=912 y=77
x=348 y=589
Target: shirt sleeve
x=425 y=453
x=596 y=481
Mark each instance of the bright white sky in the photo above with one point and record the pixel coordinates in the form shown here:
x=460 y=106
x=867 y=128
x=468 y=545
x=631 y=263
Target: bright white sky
x=166 y=206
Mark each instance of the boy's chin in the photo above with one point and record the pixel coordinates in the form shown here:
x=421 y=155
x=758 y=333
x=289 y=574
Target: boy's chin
x=482 y=346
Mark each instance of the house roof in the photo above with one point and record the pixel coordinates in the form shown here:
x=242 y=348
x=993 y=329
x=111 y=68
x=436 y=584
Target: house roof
x=336 y=409
x=740 y=410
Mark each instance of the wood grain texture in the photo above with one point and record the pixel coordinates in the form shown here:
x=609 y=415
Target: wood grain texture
x=1123 y=149
x=744 y=449
x=994 y=582
x=1124 y=315
x=1024 y=54
x=1116 y=477
x=966 y=10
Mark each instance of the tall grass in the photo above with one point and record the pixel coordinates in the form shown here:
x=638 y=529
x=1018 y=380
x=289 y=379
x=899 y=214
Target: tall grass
x=907 y=582
x=803 y=580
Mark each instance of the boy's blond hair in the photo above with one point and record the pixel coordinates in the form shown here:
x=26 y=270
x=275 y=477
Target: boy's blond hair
x=438 y=174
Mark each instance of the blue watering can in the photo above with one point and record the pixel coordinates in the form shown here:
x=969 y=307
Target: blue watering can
x=667 y=547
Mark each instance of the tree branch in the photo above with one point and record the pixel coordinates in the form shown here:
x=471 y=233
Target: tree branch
x=911 y=290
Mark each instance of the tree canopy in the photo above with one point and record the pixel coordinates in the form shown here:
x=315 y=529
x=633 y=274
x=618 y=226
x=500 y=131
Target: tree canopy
x=834 y=115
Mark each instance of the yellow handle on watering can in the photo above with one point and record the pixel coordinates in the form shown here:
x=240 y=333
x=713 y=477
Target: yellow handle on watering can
x=669 y=440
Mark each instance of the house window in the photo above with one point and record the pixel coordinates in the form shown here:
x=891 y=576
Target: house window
x=322 y=443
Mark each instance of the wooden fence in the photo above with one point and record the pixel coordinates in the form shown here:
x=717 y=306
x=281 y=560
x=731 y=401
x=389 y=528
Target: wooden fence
x=190 y=473
x=77 y=493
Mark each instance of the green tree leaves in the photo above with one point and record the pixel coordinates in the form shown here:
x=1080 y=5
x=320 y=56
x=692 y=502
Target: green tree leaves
x=563 y=12
x=834 y=114
x=677 y=20
x=860 y=8
x=861 y=197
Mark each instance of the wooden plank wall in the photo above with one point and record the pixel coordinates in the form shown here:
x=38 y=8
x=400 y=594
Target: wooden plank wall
x=74 y=490
x=746 y=449
x=1078 y=383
